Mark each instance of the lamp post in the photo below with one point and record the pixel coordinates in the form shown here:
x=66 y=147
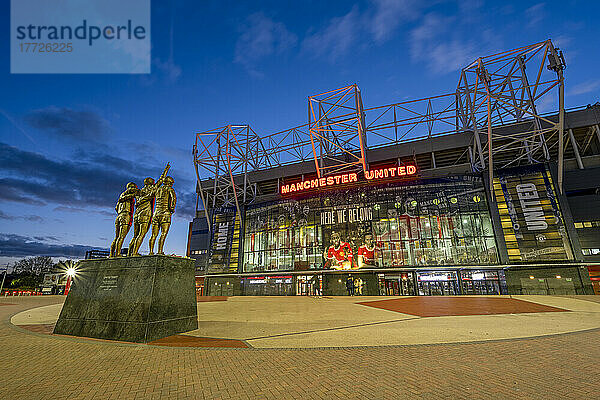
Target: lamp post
x=3 y=278
x=70 y=274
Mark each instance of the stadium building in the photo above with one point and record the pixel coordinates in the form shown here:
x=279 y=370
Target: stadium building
x=473 y=192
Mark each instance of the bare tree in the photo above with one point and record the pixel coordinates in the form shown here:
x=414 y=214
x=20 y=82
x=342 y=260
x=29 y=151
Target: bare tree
x=34 y=265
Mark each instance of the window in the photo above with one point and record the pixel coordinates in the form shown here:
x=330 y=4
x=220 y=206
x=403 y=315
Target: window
x=587 y=224
x=590 y=252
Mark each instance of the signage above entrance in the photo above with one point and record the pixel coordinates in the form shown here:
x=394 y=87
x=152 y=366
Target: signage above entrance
x=348 y=178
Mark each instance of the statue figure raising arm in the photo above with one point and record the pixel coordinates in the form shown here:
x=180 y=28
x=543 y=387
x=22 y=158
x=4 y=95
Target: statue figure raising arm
x=143 y=211
x=165 y=206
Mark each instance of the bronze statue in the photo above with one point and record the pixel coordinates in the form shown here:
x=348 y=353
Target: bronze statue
x=165 y=206
x=124 y=209
x=143 y=211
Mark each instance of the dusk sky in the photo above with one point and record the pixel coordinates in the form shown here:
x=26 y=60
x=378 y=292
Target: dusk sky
x=70 y=143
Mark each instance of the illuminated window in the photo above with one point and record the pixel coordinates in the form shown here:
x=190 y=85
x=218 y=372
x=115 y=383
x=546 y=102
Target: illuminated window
x=590 y=252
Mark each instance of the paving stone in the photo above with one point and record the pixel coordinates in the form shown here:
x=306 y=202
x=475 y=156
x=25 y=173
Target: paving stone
x=51 y=367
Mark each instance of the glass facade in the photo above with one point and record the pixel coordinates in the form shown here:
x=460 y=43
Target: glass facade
x=432 y=222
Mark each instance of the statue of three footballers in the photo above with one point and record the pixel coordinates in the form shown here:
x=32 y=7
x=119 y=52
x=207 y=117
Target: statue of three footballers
x=160 y=192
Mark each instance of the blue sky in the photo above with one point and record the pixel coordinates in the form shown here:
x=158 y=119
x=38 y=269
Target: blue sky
x=69 y=143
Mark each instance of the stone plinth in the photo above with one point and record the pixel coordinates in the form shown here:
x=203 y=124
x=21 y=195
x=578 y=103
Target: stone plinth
x=134 y=299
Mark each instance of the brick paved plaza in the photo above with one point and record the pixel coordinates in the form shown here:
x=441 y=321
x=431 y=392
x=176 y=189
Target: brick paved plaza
x=42 y=366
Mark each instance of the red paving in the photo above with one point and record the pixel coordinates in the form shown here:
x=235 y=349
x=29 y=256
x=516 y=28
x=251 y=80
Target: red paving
x=39 y=328
x=170 y=341
x=203 y=299
x=452 y=306
x=194 y=341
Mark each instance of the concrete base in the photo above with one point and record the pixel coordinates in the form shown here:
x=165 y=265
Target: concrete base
x=133 y=299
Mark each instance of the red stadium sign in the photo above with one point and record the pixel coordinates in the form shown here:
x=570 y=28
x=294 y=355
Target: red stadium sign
x=347 y=178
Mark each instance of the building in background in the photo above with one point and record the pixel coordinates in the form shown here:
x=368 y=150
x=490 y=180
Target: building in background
x=469 y=193
x=55 y=283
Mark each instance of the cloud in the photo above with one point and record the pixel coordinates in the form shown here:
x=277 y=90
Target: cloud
x=261 y=37
x=168 y=69
x=535 y=14
x=31 y=218
x=430 y=45
x=83 y=210
x=95 y=180
x=162 y=71
x=564 y=43
x=585 y=87
x=12 y=245
x=68 y=123
x=442 y=48
x=151 y=149
x=10 y=193
x=335 y=39
x=3 y=215
x=546 y=104
x=45 y=238
x=377 y=22
x=186 y=205
x=388 y=15
x=450 y=56
x=17 y=125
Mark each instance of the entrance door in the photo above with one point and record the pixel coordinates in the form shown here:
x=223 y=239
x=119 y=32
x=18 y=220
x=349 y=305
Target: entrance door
x=391 y=287
x=302 y=287
x=490 y=287
x=401 y=285
x=307 y=285
x=483 y=287
x=443 y=288
x=480 y=282
x=406 y=286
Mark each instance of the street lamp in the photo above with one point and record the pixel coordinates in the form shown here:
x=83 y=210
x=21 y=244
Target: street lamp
x=69 y=268
x=70 y=272
x=3 y=278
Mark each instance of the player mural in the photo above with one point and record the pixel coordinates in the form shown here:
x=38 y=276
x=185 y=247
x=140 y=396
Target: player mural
x=368 y=253
x=339 y=253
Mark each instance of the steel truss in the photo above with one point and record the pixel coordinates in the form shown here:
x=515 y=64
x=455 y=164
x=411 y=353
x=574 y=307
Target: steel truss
x=493 y=93
x=497 y=90
x=226 y=154
x=336 y=123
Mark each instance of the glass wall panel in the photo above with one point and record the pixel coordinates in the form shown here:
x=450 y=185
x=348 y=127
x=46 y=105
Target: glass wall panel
x=435 y=222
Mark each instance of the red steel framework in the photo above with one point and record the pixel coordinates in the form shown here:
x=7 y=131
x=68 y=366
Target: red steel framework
x=493 y=93
x=336 y=123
